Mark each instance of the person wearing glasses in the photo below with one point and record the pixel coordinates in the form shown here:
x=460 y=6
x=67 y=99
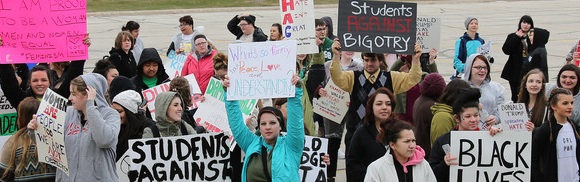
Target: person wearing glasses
x=243 y=27
x=183 y=42
x=477 y=75
x=200 y=63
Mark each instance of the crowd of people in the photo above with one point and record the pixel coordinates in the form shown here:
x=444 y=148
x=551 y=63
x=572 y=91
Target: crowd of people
x=400 y=115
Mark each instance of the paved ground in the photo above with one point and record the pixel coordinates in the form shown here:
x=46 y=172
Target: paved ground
x=496 y=20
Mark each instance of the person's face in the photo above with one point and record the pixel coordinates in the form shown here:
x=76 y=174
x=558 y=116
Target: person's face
x=468 y=120
x=221 y=74
x=405 y=145
x=347 y=54
x=274 y=33
x=39 y=82
x=246 y=27
x=126 y=43
x=135 y=33
x=269 y=127
x=112 y=74
x=174 y=110
x=301 y=57
x=77 y=99
x=201 y=46
x=568 y=80
x=121 y=111
x=478 y=71
x=531 y=35
x=150 y=69
x=382 y=107
x=525 y=26
x=473 y=26
x=534 y=84
x=321 y=32
x=564 y=106
x=372 y=64
x=185 y=28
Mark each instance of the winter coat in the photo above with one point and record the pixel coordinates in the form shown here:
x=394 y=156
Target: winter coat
x=201 y=66
x=422 y=117
x=363 y=150
x=442 y=121
x=166 y=128
x=124 y=62
x=538 y=56
x=258 y=35
x=461 y=53
x=383 y=170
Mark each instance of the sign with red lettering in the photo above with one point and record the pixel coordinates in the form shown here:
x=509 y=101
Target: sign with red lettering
x=377 y=26
x=429 y=33
x=150 y=94
x=513 y=116
x=49 y=134
x=334 y=105
x=36 y=31
x=298 y=24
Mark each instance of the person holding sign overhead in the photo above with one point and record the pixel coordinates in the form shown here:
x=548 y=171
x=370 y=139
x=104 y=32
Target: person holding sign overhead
x=404 y=159
x=19 y=161
x=271 y=156
x=555 y=152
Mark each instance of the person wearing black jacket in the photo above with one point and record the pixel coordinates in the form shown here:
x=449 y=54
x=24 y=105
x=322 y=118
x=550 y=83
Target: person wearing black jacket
x=538 y=56
x=150 y=72
x=121 y=55
x=243 y=27
x=516 y=46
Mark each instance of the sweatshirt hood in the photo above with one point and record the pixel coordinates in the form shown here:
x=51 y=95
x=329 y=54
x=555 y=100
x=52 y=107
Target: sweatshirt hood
x=541 y=37
x=467 y=69
x=440 y=107
x=417 y=158
x=151 y=55
x=98 y=82
x=162 y=102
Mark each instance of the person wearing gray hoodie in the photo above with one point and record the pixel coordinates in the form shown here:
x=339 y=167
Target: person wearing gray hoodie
x=89 y=129
x=168 y=111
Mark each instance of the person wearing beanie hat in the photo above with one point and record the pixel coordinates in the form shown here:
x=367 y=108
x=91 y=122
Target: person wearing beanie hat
x=432 y=88
x=132 y=122
x=466 y=45
x=244 y=28
x=517 y=47
x=120 y=84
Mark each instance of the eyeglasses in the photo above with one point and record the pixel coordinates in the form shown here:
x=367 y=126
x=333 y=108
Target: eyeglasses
x=479 y=68
x=321 y=29
x=243 y=25
x=201 y=43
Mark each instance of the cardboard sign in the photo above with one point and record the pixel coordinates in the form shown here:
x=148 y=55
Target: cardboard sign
x=174 y=65
x=377 y=26
x=429 y=33
x=481 y=157
x=203 y=157
x=150 y=94
x=513 y=116
x=49 y=133
x=312 y=167
x=261 y=70
x=212 y=114
x=334 y=105
x=298 y=24
x=43 y=31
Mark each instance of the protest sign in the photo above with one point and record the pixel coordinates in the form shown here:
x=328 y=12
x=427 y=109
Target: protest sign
x=203 y=157
x=261 y=70
x=429 y=33
x=43 y=31
x=49 y=133
x=150 y=94
x=8 y=125
x=513 y=116
x=312 y=167
x=334 y=105
x=175 y=64
x=377 y=26
x=298 y=24
x=212 y=114
x=482 y=157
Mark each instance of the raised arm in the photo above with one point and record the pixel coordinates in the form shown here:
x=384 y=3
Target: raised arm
x=405 y=81
x=342 y=79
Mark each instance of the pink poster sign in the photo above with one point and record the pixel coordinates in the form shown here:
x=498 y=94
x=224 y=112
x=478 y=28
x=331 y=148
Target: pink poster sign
x=40 y=31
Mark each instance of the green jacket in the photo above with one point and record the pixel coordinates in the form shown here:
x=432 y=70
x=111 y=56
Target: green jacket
x=442 y=121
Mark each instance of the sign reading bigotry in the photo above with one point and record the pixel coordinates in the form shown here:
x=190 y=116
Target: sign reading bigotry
x=35 y=31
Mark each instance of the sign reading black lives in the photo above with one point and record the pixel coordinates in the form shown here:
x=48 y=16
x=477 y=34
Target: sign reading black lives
x=377 y=26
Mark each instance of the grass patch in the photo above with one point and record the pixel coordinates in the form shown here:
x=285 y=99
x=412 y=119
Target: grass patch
x=132 y=5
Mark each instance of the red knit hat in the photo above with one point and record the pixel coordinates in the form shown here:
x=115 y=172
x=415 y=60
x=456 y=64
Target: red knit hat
x=433 y=85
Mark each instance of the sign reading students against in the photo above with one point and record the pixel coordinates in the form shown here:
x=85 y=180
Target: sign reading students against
x=212 y=114
x=150 y=94
x=428 y=33
x=261 y=70
x=482 y=157
x=49 y=133
x=36 y=31
x=513 y=116
x=377 y=26
x=203 y=157
x=334 y=105
x=298 y=24
x=312 y=167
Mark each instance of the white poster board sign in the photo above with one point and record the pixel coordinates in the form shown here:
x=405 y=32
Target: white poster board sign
x=261 y=70
x=429 y=33
x=203 y=157
x=334 y=105
x=481 y=157
x=312 y=167
x=150 y=94
x=513 y=116
x=298 y=24
x=49 y=133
